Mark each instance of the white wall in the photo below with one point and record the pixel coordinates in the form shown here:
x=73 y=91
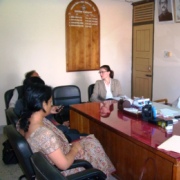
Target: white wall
x=166 y=69
x=32 y=36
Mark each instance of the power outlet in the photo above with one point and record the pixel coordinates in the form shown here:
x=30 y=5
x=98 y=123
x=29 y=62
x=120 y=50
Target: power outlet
x=167 y=54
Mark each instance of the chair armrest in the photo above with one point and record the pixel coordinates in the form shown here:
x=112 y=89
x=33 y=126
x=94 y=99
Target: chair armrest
x=165 y=101
x=81 y=163
x=87 y=174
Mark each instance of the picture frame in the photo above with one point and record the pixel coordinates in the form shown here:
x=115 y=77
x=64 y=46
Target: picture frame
x=165 y=11
x=177 y=10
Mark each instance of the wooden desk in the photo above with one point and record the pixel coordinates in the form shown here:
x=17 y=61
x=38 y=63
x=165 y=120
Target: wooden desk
x=130 y=142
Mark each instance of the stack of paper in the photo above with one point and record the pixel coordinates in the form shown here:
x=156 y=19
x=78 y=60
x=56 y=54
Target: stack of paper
x=172 y=144
x=132 y=110
x=168 y=112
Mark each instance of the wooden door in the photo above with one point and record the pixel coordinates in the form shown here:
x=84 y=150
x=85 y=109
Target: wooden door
x=143 y=44
x=142 y=60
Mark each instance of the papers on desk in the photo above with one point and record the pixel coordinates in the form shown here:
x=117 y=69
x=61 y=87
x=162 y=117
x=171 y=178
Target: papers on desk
x=172 y=144
x=168 y=112
x=117 y=98
x=132 y=110
x=120 y=97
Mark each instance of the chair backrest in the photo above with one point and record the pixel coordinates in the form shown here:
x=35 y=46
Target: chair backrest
x=7 y=97
x=11 y=115
x=66 y=96
x=43 y=169
x=9 y=93
x=90 y=90
x=22 y=150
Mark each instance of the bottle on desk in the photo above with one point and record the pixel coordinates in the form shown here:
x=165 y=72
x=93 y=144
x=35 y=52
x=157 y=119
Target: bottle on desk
x=154 y=112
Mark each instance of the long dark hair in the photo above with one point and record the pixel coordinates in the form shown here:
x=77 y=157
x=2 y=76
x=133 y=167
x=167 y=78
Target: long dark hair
x=31 y=80
x=108 y=69
x=33 y=99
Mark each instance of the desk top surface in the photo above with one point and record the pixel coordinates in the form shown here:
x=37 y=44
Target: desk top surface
x=133 y=126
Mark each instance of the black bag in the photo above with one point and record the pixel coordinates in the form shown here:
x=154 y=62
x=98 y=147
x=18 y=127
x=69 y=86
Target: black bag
x=147 y=112
x=8 y=155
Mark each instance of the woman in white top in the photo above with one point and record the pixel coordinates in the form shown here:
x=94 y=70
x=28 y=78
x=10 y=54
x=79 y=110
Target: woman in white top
x=107 y=88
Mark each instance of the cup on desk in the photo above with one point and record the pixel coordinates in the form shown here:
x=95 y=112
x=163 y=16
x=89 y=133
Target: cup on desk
x=126 y=103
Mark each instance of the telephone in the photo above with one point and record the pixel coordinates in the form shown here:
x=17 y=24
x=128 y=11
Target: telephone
x=139 y=103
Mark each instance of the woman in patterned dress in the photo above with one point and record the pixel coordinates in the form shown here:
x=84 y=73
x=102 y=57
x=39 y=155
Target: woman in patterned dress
x=43 y=136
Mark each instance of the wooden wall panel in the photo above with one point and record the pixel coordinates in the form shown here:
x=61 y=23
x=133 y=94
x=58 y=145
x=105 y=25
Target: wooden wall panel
x=82 y=36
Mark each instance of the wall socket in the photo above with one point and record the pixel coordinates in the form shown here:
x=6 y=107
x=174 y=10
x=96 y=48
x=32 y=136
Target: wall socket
x=167 y=54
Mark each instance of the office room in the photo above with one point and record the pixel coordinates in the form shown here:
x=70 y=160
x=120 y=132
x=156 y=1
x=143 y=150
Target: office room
x=32 y=36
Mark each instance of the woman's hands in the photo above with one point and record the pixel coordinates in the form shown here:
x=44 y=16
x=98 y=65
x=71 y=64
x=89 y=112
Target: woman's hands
x=64 y=161
x=56 y=109
x=76 y=146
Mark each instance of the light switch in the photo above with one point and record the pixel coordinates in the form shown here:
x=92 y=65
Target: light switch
x=167 y=54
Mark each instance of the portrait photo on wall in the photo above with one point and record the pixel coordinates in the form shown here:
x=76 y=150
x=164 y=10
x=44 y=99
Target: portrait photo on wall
x=165 y=10
x=177 y=10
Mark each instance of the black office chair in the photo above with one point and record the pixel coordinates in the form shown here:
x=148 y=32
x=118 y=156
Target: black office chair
x=23 y=153
x=90 y=90
x=7 y=97
x=66 y=96
x=46 y=171
x=22 y=150
x=12 y=117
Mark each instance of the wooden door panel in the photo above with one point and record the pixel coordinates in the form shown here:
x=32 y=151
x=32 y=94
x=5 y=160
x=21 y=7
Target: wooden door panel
x=142 y=64
x=142 y=60
x=139 y=82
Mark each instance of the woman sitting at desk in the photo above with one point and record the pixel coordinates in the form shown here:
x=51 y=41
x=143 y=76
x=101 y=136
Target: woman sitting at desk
x=43 y=136
x=107 y=88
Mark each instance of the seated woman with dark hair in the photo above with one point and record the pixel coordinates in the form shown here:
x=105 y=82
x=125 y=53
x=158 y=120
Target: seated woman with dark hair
x=43 y=136
x=107 y=88
x=71 y=134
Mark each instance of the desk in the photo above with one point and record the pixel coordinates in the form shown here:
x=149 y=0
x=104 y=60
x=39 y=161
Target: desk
x=130 y=143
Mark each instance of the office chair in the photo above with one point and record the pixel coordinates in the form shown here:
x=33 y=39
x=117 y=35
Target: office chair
x=23 y=153
x=7 y=97
x=90 y=90
x=22 y=150
x=12 y=117
x=66 y=96
x=164 y=101
x=46 y=171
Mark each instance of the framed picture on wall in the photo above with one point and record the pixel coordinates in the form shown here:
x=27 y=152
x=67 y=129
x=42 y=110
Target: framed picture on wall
x=177 y=10
x=165 y=10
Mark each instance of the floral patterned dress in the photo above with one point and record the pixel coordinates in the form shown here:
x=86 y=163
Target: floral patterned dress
x=48 y=138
